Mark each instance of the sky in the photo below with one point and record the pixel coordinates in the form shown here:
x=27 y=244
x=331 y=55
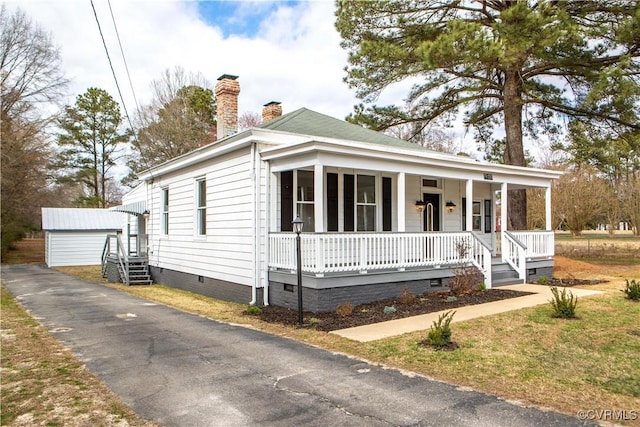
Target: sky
x=286 y=51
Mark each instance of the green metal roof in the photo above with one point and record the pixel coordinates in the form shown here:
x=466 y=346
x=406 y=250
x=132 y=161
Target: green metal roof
x=306 y=122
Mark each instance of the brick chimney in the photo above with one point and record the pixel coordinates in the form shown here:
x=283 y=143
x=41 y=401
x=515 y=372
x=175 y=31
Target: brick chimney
x=272 y=110
x=227 y=90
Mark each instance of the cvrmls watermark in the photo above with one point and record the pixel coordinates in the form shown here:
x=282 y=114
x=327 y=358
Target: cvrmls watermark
x=609 y=414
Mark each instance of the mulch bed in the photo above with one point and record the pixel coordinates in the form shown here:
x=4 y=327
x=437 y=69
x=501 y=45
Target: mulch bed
x=374 y=312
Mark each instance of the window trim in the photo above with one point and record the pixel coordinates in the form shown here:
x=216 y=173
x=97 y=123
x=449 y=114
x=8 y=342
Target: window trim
x=164 y=211
x=200 y=209
x=375 y=204
x=297 y=201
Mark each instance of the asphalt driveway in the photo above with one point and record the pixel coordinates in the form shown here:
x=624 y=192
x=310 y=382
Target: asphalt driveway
x=185 y=370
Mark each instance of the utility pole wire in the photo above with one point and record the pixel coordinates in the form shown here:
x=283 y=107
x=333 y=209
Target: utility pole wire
x=124 y=107
x=126 y=67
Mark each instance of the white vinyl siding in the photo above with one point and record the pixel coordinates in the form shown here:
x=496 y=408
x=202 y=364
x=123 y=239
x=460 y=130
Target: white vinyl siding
x=227 y=252
x=65 y=248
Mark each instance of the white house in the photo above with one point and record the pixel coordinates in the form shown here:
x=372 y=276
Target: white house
x=380 y=214
x=77 y=236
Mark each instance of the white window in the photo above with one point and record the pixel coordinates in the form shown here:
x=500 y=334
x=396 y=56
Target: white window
x=201 y=207
x=304 y=199
x=477 y=217
x=165 y=211
x=366 y=202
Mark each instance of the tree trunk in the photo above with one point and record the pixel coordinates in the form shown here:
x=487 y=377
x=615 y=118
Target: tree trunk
x=514 y=152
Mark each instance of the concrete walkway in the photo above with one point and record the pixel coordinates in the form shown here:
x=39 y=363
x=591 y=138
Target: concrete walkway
x=377 y=331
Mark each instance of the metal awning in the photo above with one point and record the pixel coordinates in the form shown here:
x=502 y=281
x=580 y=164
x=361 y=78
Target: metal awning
x=137 y=208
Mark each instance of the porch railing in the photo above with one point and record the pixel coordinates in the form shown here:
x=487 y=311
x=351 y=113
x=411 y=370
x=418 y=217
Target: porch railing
x=340 y=252
x=137 y=244
x=113 y=247
x=539 y=244
x=514 y=253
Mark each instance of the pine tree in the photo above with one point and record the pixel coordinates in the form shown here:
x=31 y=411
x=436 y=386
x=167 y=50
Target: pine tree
x=89 y=143
x=508 y=66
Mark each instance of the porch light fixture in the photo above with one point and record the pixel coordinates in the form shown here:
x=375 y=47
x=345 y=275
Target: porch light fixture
x=298 y=224
x=420 y=205
x=450 y=206
x=146 y=213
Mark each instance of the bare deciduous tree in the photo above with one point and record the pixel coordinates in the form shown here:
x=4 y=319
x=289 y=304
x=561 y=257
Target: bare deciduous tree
x=179 y=118
x=580 y=198
x=30 y=76
x=249 y=120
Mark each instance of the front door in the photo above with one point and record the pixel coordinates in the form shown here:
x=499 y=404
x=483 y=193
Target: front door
x=141 y=244
x=431 y=212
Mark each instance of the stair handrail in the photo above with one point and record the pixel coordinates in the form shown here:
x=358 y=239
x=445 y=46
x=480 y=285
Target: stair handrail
x=119 y=253
x=122 y=259
x=516 y=258
x=106 y=250
x=485 y=263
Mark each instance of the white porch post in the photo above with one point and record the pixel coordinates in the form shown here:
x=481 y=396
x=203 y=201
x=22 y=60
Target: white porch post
x=469 y=207
x=401 y=202
x=504 y=202
x=493 y=220
x=401 y=196
x=318 y=198
x=547 y=208
x=318 y=214
x=503 y=218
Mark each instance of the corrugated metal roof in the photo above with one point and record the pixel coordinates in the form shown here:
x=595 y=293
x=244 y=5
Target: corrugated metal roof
x=308 y=122
x=135 y=208
x=80 y=219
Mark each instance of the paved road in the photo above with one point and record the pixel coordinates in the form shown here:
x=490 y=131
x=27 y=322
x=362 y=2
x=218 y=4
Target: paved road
x=185 y=370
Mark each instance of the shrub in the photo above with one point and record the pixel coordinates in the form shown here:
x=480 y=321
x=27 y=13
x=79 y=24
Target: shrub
x=407 y=297
x=632 y=290
x=344 y=310
x=465 y=280
x=543 y=280
x=389 y=310
x=440 y=332
x=563 y=303
x=254 y=310
x=482 y=287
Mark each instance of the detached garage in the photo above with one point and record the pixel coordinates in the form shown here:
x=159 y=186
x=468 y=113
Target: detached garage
x=77 y=236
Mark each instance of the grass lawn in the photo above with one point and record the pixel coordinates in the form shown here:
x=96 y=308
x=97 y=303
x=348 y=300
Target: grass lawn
x=590 y=363
x=44 y=384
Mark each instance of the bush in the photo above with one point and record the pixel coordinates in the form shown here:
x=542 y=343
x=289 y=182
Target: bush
x=632 y=290
x=482 y=287
x=543 y=280
x=389 y=310
x=440 y=332
x=563 y=303
x=407 y=297
x=344 y=310
x=254 y=310
x=465 y=280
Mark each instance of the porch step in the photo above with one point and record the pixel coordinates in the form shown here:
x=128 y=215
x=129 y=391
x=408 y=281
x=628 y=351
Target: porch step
x=503 y=274
x=138 y=272
x=508 y=281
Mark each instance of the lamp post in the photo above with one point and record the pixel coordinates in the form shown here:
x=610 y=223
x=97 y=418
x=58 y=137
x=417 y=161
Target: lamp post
x=297 y=227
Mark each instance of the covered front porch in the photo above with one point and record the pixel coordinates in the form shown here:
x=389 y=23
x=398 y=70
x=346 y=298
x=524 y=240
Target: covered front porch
x=386 y=212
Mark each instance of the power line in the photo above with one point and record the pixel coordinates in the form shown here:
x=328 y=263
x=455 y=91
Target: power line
x=126 y=67
x=126 y=113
